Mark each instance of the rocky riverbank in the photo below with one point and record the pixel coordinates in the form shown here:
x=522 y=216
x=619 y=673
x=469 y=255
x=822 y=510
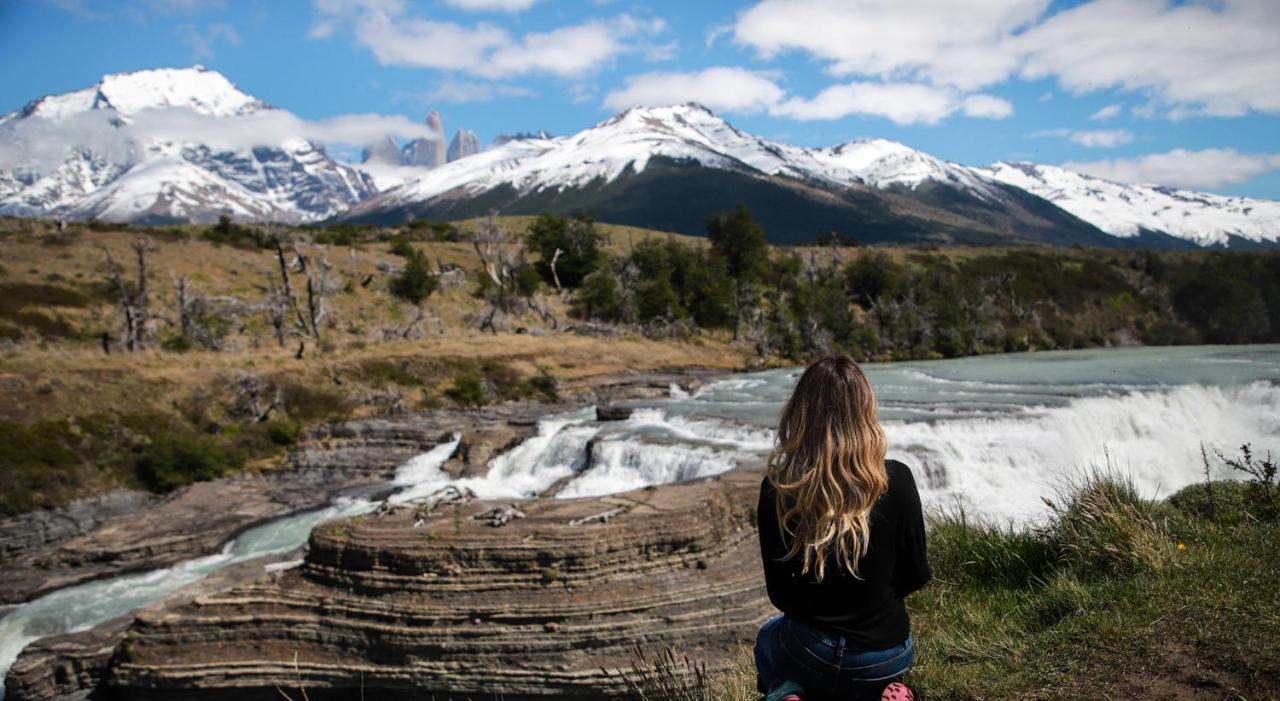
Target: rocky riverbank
x=147 y=533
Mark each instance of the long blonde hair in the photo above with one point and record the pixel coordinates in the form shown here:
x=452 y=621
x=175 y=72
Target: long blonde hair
x=827 y=465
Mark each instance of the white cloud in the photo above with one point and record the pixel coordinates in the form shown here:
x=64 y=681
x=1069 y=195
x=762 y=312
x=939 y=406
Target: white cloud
x=1098 y=138
x=486 y=50
x=1217 y=58
x=946 y=43
x=902 y=103
x=987 y=106
x=721 y=88
x=460 y=91
x=1105 y=113
x=35 y=144
x=1206 y=169
x=1211 y=57
x=1102 y=138
x=202 y=43
x=492 y=5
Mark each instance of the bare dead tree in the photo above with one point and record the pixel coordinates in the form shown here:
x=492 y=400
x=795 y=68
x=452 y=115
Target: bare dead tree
x=286 y=286
x=555 y=277
x=132 y=298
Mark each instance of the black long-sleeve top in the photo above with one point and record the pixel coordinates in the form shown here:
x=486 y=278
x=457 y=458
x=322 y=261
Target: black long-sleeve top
x=868 y=610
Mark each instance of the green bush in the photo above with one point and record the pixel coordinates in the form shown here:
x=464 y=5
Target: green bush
x=467 y=391
x=175 y=460
x=576 y=239
x=415 y=282
x=1102 y=527
x=313 y=404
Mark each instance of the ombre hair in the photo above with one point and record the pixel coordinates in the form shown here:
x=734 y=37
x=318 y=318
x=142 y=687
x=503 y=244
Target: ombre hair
x=827 y=466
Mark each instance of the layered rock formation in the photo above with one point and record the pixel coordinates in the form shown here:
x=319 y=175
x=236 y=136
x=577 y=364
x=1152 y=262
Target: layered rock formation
x=410 y=605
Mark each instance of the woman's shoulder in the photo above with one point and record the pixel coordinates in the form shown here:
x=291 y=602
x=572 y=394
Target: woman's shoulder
x=900 y=476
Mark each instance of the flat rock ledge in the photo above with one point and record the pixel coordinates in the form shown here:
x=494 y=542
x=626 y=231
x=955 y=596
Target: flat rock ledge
x=413 y=605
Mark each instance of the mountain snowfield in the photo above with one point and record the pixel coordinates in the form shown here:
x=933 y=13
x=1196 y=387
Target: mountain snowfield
x=114 y=169
x=1127 y=210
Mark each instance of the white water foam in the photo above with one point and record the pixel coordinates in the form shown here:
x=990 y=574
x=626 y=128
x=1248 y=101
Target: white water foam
x=1000 y=467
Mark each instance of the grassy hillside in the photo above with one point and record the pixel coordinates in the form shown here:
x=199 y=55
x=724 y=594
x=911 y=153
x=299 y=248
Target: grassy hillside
x=235 y=372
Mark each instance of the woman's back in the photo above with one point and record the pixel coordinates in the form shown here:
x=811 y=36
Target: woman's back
x=867 y=609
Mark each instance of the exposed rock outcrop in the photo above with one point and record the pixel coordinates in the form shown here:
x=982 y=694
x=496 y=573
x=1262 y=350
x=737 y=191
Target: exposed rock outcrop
x=458 y=608
x=428 y=151
x=477 y=447
x=465 y=143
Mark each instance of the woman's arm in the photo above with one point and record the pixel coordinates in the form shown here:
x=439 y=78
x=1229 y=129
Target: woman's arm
x=912 y=564
x=772 y=549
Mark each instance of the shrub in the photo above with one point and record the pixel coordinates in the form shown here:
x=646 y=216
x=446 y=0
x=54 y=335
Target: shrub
x=174 y=460
x=311 y=404
x=546 y=384
x=1101 y=526
x=284 y=433
x=578 y=243
x=415 y=282
x=467 y=391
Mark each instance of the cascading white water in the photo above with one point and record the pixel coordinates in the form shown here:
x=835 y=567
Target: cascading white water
x=995 y=433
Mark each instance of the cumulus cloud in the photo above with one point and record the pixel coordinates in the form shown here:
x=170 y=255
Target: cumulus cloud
x=901 y=103
x=36 y=144
x=987 y=106
x=1213 y=58
x=1216 y=58
x=1105 y=113
x=399 y=39
x=1206 y=169
x=733 y=89
x=720 y=88
x=958 y=44
x=492 y=5
x=1097 y=138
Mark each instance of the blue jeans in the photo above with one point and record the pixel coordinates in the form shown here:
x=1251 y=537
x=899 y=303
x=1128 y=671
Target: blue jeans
x=822 y=664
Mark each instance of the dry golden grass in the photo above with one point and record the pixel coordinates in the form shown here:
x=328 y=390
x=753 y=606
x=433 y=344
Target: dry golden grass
x=65 y=378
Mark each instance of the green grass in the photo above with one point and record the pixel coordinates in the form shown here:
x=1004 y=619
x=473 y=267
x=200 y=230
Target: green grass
x=1115 y=597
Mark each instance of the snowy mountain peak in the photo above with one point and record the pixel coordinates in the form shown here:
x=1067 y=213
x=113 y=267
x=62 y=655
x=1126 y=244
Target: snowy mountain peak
x=1127 y=210
x=200 y=89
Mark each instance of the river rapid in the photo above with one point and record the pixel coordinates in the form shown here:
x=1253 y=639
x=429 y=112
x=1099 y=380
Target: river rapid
x=990 y=434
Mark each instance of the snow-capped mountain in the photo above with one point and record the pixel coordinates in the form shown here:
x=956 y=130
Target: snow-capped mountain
x=1128 y=211
x=138 y=147
x=121 y=168
x=624 y=170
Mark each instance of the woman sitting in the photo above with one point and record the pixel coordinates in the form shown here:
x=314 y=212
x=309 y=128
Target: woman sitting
x=843 y=541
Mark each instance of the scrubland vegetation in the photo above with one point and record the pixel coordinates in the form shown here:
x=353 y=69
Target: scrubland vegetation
x=156 y=356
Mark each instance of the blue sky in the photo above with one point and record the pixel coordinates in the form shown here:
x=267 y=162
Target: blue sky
x=1181 y=93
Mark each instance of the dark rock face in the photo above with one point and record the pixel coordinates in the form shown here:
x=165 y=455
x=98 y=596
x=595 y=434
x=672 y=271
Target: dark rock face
x=458 y=608
x=610 y=412
x=25 y=533
x=476 y=448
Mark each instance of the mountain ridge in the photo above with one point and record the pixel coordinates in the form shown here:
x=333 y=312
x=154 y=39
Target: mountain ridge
x=876 y=189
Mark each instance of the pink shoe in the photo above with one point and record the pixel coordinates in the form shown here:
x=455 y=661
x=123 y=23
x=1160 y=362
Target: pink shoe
x=898 y=691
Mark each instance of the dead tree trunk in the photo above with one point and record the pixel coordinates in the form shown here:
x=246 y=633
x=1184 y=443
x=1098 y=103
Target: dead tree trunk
x=132 y=299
